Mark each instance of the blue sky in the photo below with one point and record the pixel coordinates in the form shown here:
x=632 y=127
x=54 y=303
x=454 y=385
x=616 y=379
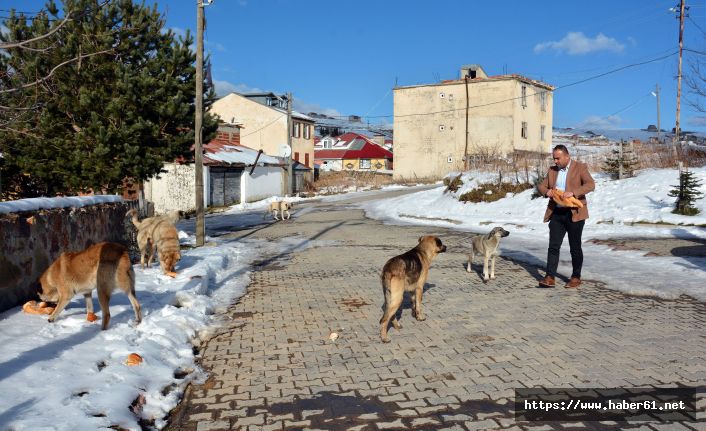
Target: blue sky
x=345 y=57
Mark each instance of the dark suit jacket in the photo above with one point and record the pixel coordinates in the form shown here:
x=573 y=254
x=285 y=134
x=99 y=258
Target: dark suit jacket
x=578 y=181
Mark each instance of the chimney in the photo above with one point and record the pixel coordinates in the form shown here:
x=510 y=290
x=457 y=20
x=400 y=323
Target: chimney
x=379 y=139
x=473 y=71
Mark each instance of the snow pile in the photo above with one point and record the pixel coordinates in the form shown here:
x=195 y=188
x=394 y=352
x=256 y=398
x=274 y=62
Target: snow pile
x=71 y=375
x=33 y=204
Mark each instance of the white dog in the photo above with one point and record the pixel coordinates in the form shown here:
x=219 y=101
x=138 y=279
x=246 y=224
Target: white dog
x=279 y=209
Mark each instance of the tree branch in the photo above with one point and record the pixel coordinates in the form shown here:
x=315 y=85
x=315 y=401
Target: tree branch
x=40 y=80
x=8 y=45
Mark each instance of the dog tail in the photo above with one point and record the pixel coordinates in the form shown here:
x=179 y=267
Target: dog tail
x=133 y=214
x=385 y=281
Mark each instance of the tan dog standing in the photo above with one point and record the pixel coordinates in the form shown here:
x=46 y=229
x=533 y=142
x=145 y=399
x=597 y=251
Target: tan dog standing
x=158 y=234
x=279 y=209
x=487 y=246
x=407 y=273
x=105 y=267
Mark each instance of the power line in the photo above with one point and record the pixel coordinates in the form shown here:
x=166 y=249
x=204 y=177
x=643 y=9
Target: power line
x=520 y=97
x=22 y=12
x=263 y=127
x=695 y=51
x=697 y=26
x=630 y=105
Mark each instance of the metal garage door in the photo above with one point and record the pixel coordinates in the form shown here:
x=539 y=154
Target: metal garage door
x=225 y=186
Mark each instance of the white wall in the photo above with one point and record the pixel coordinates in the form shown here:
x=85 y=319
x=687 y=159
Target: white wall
x=331 y=165
x=175 y=189
x=265 y=182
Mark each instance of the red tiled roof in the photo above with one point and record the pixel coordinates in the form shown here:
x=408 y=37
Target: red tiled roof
x=369 y=151
x=329 y=154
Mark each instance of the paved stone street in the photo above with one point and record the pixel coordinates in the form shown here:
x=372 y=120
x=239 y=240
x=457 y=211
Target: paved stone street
x=273 y=367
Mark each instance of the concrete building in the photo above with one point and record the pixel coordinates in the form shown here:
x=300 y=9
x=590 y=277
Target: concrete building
x=232 y=174
x=436 y=125
x=263 y=118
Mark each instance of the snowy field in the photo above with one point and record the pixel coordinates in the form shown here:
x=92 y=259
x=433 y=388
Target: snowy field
x=636 y=207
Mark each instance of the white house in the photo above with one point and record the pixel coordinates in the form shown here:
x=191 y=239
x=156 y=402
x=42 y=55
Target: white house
x=232 y=174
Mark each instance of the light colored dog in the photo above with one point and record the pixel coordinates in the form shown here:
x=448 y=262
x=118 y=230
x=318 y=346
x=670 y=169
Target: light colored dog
x=105 y=267
x=407 y=273
x=487 y=246
x=279 y=209
x=158 y=234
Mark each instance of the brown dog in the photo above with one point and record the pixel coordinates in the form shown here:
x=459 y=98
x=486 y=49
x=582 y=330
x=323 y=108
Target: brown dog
x=105 y=266
x=158 y=234
x=407 y=273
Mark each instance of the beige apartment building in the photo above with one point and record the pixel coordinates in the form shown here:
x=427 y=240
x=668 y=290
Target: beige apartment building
x=263 y=121
x=499 y=115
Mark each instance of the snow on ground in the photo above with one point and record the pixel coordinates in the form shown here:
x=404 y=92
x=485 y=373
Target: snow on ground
x=33 y=204
x=70 y=375
x=617 y=209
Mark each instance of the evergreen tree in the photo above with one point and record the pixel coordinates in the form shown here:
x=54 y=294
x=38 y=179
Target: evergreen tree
x=109 y=95
x=687 y=192
x=628 y=161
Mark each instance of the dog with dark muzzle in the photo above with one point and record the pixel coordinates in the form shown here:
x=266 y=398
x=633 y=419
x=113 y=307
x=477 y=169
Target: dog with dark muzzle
x=407 y=273
x=487 y=246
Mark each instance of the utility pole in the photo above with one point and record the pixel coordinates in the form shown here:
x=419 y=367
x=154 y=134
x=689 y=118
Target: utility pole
x=659 y=128
x=198 y=151
x=290 y=159
x=682 y=9
x=620 y=161
x=466 y=162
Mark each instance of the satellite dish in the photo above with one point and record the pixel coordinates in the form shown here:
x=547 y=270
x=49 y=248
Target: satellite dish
x=284 y=150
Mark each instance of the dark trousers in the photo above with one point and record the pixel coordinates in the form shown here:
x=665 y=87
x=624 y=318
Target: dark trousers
x=559 y=225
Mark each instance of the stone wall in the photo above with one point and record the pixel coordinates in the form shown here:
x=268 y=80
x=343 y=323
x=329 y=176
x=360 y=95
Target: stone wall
x=30 y=241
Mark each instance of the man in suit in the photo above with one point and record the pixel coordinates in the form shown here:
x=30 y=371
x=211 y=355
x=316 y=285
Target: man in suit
x=573 y=178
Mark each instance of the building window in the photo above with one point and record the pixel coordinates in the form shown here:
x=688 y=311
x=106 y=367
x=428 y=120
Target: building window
x=364 y=163
x=524 y=96
x=327 y=143
x=306 y=159
x=296 y=156
x=543 y=100
x=295 y=130
x=307 y=131
x=541 y=132
x=523 y=132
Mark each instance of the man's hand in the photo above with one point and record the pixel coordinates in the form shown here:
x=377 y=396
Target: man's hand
x=550 y=193
x=568 y=195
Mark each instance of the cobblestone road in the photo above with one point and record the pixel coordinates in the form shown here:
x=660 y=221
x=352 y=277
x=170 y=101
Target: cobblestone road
x=273 y=367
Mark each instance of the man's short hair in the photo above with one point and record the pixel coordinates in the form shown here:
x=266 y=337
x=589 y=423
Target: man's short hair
x=561 y=148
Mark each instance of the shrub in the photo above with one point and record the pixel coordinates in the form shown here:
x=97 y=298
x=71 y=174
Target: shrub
x=452 y=183
x=497 y=191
